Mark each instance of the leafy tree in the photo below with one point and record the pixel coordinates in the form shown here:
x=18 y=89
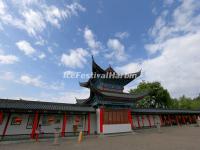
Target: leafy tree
x=185 y=102
x=158 y=97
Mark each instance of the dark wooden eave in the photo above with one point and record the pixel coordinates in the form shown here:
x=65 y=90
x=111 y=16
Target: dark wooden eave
x=96 y=68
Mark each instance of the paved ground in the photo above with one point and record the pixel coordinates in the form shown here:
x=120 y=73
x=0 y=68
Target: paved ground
x=170 y=138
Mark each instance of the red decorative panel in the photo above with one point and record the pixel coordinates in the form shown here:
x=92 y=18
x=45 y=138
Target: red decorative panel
x=116 y=116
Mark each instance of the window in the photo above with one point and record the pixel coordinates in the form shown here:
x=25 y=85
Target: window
x=50 y=119
x=17 y=120
x=119 y=116
x=78 y=122
x=30 y=121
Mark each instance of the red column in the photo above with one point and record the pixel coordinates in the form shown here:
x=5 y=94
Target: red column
x=143 y=120
x=161 y=121
x=130 y=119
x=190 y=119
x=101 y=120
x=64 y=125
x=170 y=121
x=177 y=120
x=35 y=124
x=149 y=120
x=138 y=120
x=1 y=117
x=89 y=123
x=183 y=118
x=6 y=126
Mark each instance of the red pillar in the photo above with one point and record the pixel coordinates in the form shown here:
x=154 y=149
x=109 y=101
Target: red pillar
x=6 y=126
x=35 y=124
x=170 y=121
x=89 y=123
x=190 y=119
x=143 y=120
x=64 y=125
x=161 y=121
x=101 y=120
x=138 y=120
x=1 y=117
x=149 y=120
x=130 y=119
x=165 y=122
x=177 y=120
x=183 y=118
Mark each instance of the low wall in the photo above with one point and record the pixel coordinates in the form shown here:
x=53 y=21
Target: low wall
x=116 y=128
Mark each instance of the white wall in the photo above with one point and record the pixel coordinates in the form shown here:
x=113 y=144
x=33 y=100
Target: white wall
x=116 y=128
x=98 y=120
x=153 y=119
x=93 y=123
x=18 y=129
x=2 y=126
x=50 y=128
x=134 y=119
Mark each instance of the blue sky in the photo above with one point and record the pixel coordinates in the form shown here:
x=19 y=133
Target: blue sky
x=42 y=40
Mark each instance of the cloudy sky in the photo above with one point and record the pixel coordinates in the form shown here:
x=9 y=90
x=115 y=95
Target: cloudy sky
x=40 y=41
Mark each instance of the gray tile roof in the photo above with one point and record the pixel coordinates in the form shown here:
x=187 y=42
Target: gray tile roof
x=47 y=106
x=124 y=95
x=165 y=111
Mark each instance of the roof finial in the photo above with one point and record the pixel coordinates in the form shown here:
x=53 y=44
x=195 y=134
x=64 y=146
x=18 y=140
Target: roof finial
x=92 y=58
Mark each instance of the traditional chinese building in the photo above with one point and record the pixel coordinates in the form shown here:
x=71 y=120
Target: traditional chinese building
x=113 y=106
x=107 y=110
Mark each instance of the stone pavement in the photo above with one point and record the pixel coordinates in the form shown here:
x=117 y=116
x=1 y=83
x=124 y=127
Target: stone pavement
x=170 y=138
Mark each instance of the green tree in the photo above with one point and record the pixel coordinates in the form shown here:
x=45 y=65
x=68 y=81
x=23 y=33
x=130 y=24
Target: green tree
x=158 y=97
x=185 y=102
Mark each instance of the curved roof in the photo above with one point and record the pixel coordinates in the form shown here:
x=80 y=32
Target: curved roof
x=123 y=79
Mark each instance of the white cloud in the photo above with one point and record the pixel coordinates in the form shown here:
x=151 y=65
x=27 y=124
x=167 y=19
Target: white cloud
x=41 y=41
x=8 y=59
x=66 y=97
x=177 y=40
x=75 y=58
x=183 y=20
x=122 y=35
x=34 y=21
x=33 y=16
x=37 y=82
x=34 y=81
x=54 y=14
x=129 y=68
x=42 y=56
x=90 y=40
x=25 y=47
x=55 y=86
x=9 y=76
x=117 y=50
x=168 y=2
x=2 y=88
x=50 y=50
